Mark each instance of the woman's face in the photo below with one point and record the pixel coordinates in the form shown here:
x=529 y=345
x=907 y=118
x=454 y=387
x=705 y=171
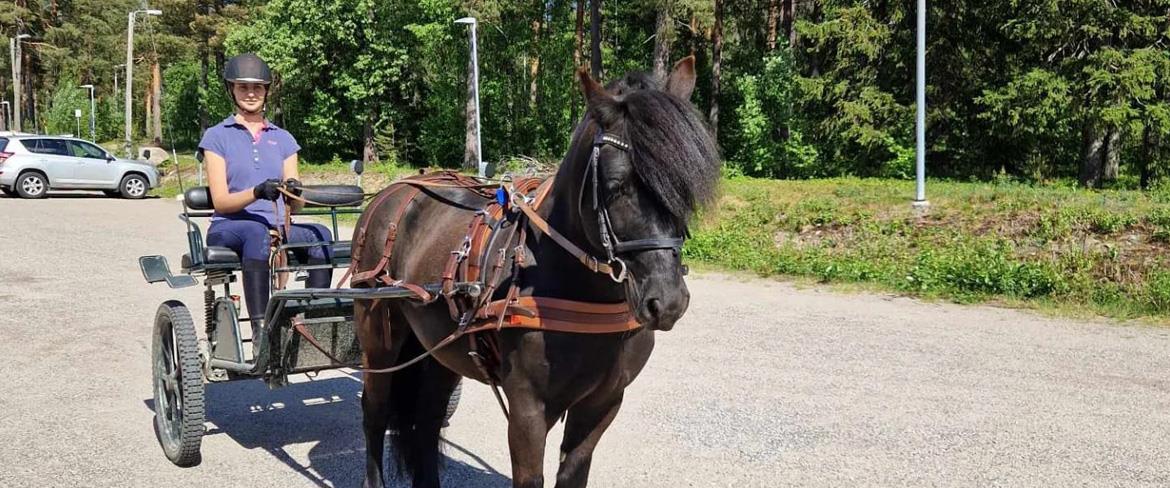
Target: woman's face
x=250 y=96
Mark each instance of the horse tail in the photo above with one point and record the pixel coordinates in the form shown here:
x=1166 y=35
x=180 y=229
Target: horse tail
x=404 y=434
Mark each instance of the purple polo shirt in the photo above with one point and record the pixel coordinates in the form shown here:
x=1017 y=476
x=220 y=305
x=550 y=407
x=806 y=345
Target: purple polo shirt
x=250 y=161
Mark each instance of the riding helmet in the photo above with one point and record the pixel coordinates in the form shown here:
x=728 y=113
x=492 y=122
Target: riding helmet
x=247 y=68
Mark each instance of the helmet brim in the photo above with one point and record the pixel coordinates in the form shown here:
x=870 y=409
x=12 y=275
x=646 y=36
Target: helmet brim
x=248 y=80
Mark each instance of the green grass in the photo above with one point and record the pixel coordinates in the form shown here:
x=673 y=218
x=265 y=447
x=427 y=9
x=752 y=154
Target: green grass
x=1055 y=248
x=1051 y=247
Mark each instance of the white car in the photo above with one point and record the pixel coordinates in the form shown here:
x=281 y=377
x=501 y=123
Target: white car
x=31 y=165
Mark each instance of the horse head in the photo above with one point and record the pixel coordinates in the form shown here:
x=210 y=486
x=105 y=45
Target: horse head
x=640 y=164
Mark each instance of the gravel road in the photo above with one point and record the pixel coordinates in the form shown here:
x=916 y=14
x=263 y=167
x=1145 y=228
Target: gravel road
x=760 y=385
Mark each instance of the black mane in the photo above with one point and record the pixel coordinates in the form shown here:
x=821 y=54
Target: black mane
x=671 y=150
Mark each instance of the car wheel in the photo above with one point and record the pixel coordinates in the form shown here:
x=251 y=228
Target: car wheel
x=32 y=185
x=133 y=186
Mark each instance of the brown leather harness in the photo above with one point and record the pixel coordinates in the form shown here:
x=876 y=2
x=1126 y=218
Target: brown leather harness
x=478 y=259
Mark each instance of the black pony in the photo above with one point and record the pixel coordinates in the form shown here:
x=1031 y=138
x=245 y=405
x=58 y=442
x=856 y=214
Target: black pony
x=659 y=165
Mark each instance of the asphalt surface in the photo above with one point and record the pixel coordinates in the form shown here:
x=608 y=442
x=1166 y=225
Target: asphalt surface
x=760 y=385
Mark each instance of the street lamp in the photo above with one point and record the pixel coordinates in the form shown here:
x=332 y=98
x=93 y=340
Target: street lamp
x=130 y=71
x=92 y=127
x=14 y=49
x=920 y=118
x=475 y=83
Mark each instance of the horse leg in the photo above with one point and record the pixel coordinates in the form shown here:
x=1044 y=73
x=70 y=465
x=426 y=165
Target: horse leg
x=435 y=385
x=528 y=427
x=584 y=426
x=370 y=318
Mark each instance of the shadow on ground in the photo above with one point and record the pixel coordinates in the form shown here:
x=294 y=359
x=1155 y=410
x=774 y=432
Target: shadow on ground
x=327 y=412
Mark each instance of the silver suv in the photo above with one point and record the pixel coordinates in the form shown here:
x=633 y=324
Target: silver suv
x=31 y=165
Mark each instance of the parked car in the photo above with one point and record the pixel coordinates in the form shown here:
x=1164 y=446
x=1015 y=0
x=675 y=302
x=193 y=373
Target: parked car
x=31 y=165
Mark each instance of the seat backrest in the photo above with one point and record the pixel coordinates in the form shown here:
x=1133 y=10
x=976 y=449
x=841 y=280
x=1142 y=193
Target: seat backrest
x=198 y=198
x=333 y=195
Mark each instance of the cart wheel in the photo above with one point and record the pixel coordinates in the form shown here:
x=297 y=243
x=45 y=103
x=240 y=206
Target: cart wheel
x=453 y=402
x=178 y=384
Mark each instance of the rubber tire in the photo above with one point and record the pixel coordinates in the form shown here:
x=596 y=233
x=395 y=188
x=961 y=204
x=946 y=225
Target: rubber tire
x=453 y=402
x=122 y=187
x=24 y=177
x=179 y=427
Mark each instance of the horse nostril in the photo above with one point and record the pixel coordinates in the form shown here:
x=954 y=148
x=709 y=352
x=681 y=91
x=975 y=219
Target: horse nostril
x=654 y=306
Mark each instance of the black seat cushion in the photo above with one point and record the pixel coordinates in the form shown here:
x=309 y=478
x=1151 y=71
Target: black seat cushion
x=215 y=255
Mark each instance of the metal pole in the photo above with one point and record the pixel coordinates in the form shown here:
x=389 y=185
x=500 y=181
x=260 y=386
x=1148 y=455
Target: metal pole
x=475 y=70
x=920 y=194
x=129 y=80
x=77 y=115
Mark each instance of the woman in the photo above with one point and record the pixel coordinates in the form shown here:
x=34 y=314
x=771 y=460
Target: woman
x=247 y=158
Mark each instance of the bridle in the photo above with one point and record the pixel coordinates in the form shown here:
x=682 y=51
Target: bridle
x=609 y=240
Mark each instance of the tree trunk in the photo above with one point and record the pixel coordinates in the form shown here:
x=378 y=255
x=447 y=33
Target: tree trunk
x=1111 y=155
x=147 y=105
x=577 y=55
x=663 y=37
x=470 y=148
x=156 y=99
x=1092 y=156
x=695 y=37
x=595 y=38
x=716 y=59
x=788 y=21
x=534 y=65
x=773 y=14
x=369 y=151
x=204 y=69
x=1147 y=157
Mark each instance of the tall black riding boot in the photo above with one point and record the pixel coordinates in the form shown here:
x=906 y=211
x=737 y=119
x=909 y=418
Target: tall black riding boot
x=256 y=292
x=320 y=278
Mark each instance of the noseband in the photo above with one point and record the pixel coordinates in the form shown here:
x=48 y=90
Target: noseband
x=609 y=240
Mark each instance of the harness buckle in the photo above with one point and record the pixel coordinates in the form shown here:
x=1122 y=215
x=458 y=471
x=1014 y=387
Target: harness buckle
x=620 y=276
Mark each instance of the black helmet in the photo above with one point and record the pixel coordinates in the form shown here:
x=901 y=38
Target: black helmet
x=247 y=68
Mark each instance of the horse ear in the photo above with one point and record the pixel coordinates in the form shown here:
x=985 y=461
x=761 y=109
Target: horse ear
x=592 y=90
x=681 y=82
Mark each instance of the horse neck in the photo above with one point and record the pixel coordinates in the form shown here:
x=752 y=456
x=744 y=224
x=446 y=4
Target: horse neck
x=564 y=275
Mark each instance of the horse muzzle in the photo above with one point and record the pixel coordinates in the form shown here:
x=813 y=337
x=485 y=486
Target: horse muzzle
x=659 y=309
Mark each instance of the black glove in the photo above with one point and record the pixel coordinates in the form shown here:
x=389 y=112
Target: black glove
x=269 y=190
x=294 y=186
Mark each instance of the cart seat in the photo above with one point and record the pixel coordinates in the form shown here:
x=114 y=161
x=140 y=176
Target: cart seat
x=219 y=257
x=224 y=258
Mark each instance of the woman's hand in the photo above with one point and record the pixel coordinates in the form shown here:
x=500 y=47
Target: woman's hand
x=268 y=190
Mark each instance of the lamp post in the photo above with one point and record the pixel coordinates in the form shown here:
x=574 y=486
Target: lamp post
x=130 y=72
x=475 y=84
x=920 y=122
x=92 y=127
x=14 y=48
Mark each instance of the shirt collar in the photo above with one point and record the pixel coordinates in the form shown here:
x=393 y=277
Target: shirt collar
x=230 y=121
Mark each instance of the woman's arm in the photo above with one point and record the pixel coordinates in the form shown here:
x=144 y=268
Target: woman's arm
x=225 y=202
x=290 y=171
